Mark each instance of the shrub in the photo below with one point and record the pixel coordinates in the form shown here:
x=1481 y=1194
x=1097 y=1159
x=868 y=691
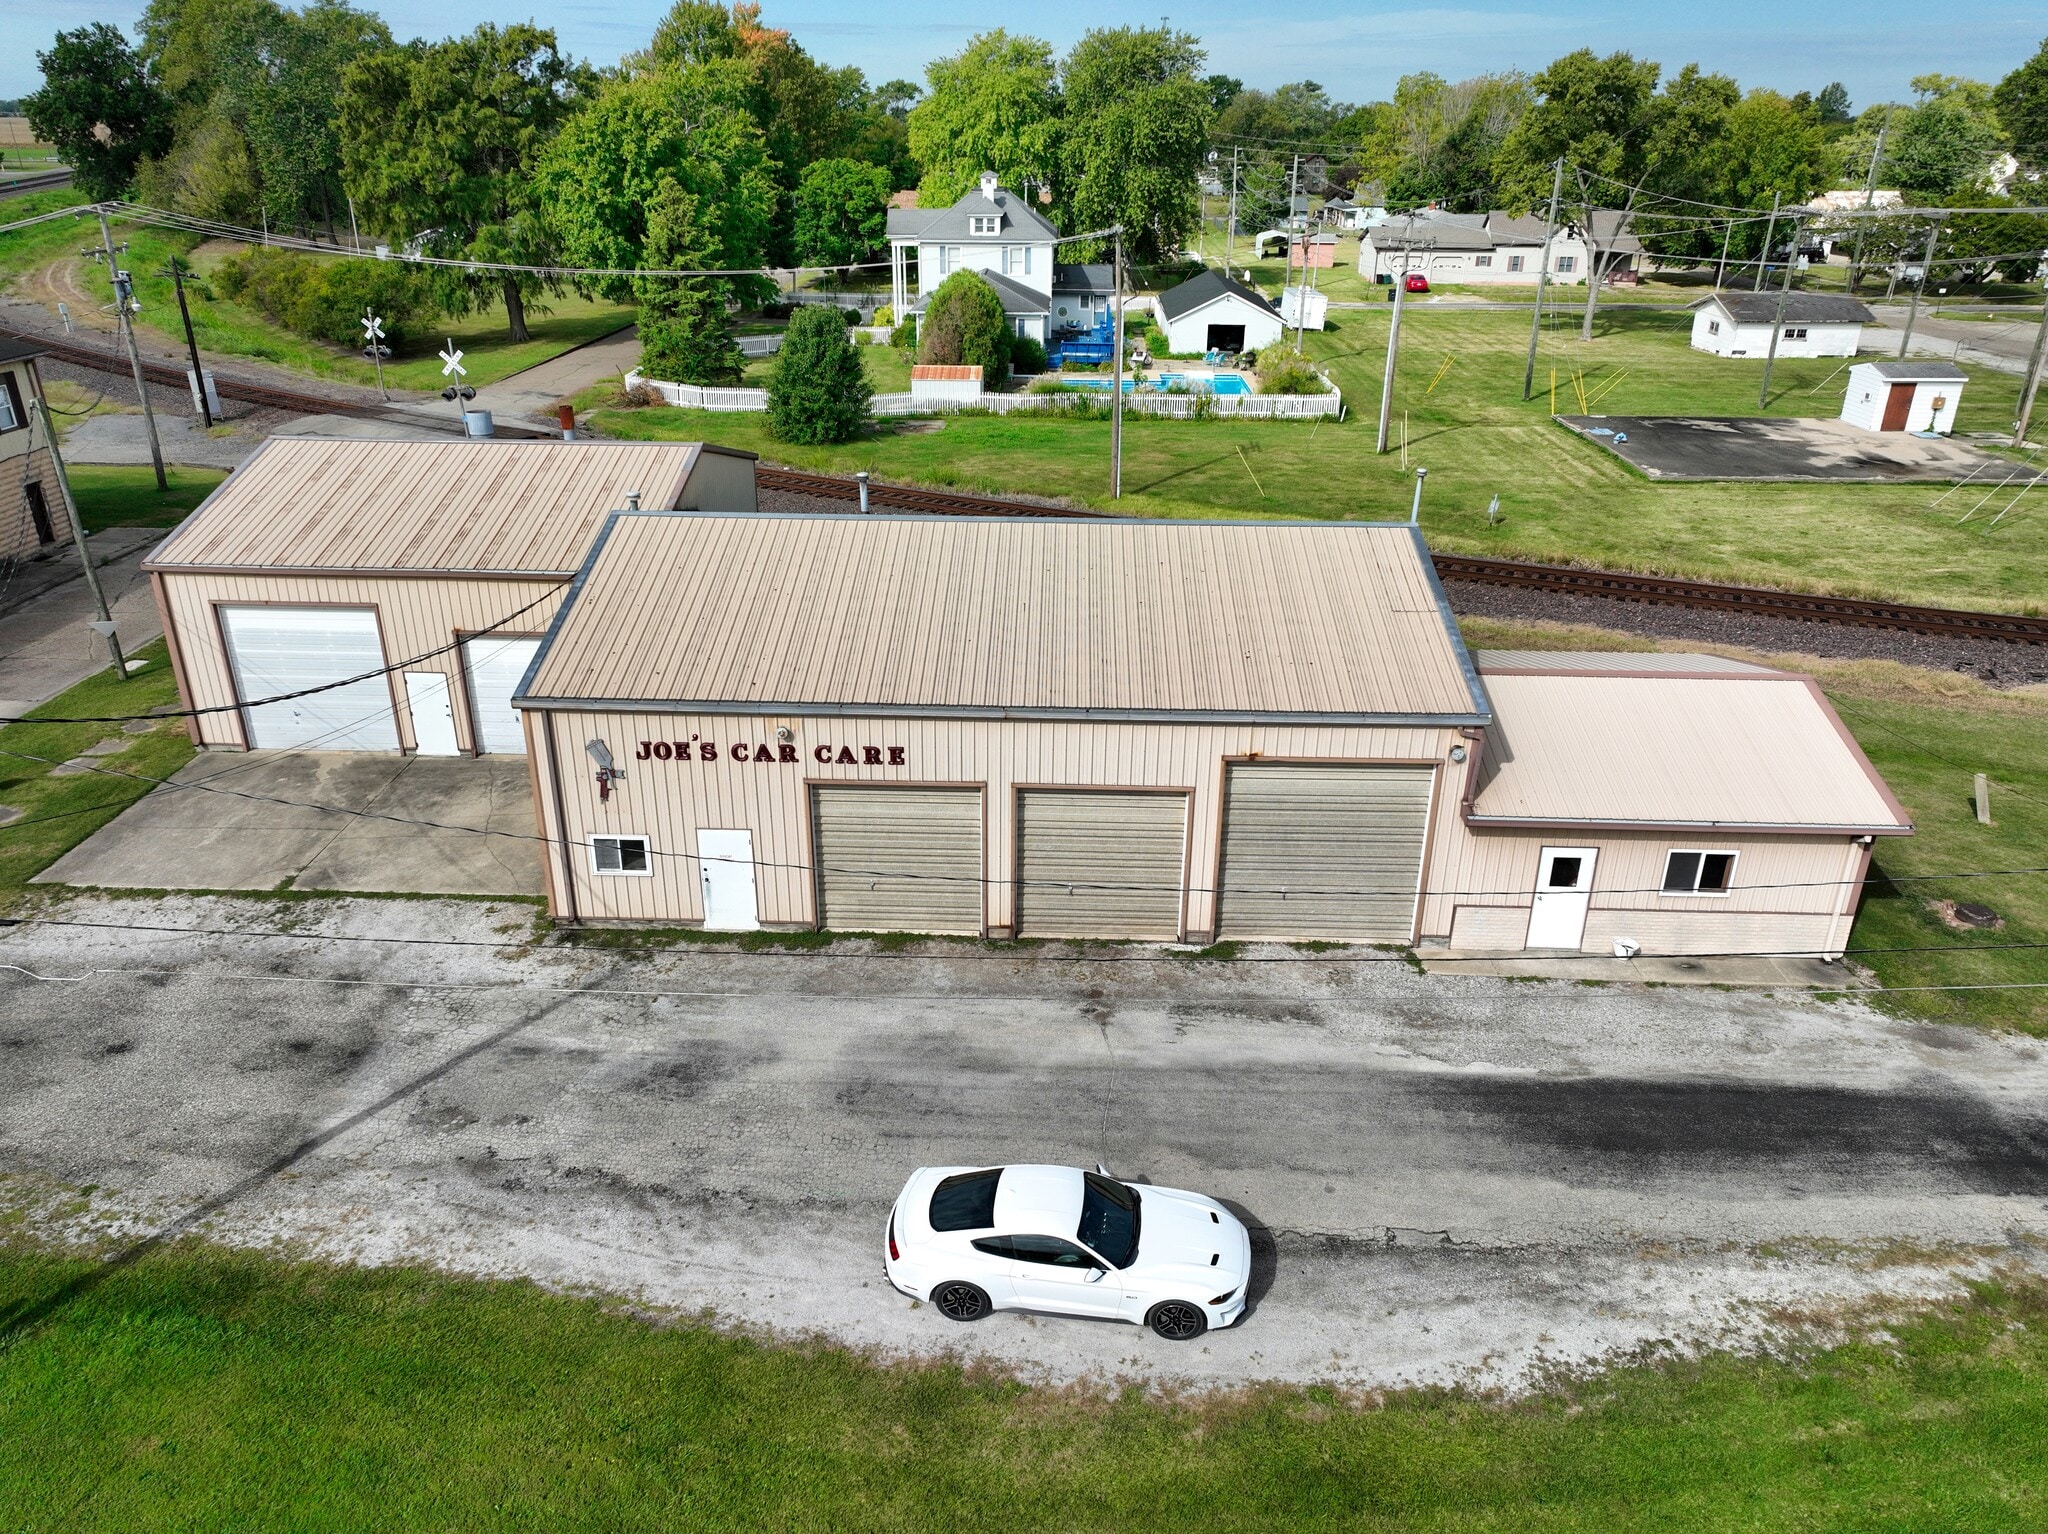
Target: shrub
x=1026 y=355
x=884 y=314
x=905 y=334
x=324 y=299
x=852 y=316
x=819 y=391
x=964 y=325
x=1291 y=375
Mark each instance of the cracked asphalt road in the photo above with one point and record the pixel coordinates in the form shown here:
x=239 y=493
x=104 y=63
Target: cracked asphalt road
x=1453 y=1179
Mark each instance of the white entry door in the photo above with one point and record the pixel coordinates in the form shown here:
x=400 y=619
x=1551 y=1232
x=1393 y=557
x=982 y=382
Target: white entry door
x=1564 y=889
x=433 y=712
x=727 y=861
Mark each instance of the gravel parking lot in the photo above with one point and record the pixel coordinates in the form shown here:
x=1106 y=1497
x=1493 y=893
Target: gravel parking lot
x=1452 y=1179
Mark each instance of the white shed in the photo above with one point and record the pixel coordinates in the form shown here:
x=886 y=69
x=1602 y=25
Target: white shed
x=1904 y=396
x=936 y=383
x=1815 y=324
x=1213 y=313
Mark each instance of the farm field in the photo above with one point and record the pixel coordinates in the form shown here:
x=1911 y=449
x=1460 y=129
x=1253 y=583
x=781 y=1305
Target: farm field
x=1561 y=499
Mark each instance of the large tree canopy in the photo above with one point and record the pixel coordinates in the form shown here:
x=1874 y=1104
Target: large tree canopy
x=1135 y=132
x=93 y=82
x=2021 y=99
x=841 y=212
x=995 y=105
x=446 y=137
x=1599 y=114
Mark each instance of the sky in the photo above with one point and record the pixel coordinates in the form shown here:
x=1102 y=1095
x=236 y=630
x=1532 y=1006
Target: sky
x=1355 y=51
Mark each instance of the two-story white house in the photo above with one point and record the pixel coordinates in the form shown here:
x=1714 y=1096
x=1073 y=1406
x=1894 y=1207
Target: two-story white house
x=997 y=233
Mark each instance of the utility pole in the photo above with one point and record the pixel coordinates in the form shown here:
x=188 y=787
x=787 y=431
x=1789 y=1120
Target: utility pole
x=1926 y=271
x=1757 y=286
x=1116 y=382
x=1869 y=200
x=1230 y=237
x=124 y=295
x=176 y=272
x=1763 y=394
x=92 y=577
x=2032 y=386
x=1542 y=281
x=1394 y=338
x=1721 y=271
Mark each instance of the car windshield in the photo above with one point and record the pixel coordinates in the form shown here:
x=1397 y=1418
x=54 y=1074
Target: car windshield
x=1109 y=1219
x=966 y=1201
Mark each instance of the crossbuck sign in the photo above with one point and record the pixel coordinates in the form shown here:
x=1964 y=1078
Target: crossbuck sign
x=451 y=361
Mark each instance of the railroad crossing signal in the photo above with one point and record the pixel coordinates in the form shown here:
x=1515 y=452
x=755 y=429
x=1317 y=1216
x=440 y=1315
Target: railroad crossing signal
x=373 y=343
x=451 y=361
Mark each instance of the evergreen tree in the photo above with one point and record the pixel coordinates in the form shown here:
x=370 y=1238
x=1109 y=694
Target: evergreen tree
x=819 y=391
x=964 y=325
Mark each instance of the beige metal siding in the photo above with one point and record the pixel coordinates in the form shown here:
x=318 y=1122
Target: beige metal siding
x=18 y=538
x=897 y=859
x=1094 y=864
x=1322 y=850
x=306 y=503
x=1016 y=615
x=417 y=615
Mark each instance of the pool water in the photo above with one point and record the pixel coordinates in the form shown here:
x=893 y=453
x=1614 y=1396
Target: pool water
x=1222 y=383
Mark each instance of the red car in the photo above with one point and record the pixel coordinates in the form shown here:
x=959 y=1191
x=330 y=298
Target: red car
x=1417 y=283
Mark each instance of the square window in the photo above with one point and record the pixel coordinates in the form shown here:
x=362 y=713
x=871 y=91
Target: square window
x=1713 y=327
x=1698 y=873
x=1514 y=263
x=1482 y=260
x=984 y=223
x=1795 y=332
x=620 y=855
x=12 y=416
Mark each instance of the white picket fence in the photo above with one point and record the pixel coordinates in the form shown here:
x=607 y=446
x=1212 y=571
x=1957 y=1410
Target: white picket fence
x=1140 y=402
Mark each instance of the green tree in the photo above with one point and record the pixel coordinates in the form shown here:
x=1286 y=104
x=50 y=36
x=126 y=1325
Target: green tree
x=1599 y=114
x=1222 y=89
x=995 y=105
x=92 y=80
x=819 y=392
x=1134 y=137
x=964 y=325
x=1944 y=145
x=1691 y=125
x=2021 y=99
x=684 y=334
x=1975 y=240
x=841 y=212
x=1831 y=106
x=690 y=128
x=446 y=136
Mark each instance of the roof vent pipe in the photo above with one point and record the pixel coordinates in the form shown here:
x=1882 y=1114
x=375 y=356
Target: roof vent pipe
x=632 y=500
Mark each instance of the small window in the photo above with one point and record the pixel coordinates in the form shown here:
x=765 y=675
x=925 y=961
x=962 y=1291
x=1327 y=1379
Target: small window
x=949 y=258
x=1713 y=327
x=1482 y=260
x=994 y=1246
x=620 y=855
x=12 y=416
x=984 y=223
x=1050 y=1251
x=1514 y=263
x=1564 y=873
x=1567 y=264
x=1698 y=873
x=966 y=1201
x=1795 y=332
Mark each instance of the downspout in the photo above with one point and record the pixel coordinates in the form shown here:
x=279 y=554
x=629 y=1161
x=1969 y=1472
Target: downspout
x=1860 y=851
x=561 y=820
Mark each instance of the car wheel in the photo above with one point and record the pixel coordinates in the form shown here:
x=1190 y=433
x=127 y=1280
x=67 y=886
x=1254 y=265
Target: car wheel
x=962 y=1302
x=1177 y=1320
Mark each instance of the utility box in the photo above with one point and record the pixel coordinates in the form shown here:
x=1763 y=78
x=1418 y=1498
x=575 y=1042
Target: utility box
x=1904 y=396
x=193 y=382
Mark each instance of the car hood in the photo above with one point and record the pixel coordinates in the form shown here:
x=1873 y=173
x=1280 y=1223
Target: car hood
x=1182 y=1231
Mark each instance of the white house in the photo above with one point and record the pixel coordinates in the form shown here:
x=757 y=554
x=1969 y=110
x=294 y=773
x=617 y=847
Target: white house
x=1214 y=313
x=1497 y=247
x=1815 y=324
x=999 y=234
x=1904 y=396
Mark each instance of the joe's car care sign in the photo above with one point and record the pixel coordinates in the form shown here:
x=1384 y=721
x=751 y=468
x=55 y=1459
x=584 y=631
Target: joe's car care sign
x=698 y=750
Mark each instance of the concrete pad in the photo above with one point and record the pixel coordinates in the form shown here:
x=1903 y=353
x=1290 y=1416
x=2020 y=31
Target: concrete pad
x=1769 y=448
x=121 y=438
x=1757 y=970
x=265 y=820
x=45 y=646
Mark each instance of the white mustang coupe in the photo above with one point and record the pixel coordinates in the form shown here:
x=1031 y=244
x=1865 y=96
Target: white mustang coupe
x=1051 y=1238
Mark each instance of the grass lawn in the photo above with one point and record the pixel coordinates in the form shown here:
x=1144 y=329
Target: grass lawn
x=1562 y=499
x=888 y=369
x=59 y=813
x=125 y=495
x=1929 y=733
x=199 y=1388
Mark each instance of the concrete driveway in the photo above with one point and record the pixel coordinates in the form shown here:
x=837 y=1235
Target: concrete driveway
x=322 y=820
x=1782 y=448
x=1450 y=1179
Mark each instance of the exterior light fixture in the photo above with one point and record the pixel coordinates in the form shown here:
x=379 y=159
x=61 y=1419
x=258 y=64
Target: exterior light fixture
x=607 y=774
x=784 y=733
x=1457 y=753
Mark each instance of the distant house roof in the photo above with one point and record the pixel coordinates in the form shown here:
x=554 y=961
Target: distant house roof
x=1206 y=289
x=1800 y=308
x=1725 y=753
x=1918 y=372
x=1084 y=277
x=1019 y=220
x=1017 y=299
x=16 y=348
x=1442 y=231
x=904 y=199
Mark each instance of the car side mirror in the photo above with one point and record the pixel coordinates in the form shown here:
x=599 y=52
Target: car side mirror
x=1096 y=1275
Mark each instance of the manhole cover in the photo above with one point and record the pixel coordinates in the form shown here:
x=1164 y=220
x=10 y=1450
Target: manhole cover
x=1970 y=914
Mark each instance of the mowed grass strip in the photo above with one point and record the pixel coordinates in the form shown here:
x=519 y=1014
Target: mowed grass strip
x=1561 y=498
x=199 y=1388
x=125 y=495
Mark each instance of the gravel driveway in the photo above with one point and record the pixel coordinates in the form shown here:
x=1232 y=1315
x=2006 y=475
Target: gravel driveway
x=1452 y=1179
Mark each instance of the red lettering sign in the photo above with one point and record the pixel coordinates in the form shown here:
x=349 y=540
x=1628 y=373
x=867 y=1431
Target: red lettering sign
x=739 y=752
x=823 y=754
x=778 y=754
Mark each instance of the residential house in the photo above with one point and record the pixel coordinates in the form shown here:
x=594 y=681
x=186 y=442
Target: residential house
x=1815 y=324
x=1498 y=247
x=32 y=517
x=997 y=233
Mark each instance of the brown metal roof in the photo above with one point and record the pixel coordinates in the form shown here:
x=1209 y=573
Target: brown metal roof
x=1763 y=751
x=1002 y=617
x=304 y=503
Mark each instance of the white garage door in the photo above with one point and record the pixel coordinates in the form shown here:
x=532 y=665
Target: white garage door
x=495 y=666
x=279 y=650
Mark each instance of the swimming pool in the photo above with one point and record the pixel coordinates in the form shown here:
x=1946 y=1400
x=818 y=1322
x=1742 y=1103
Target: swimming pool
x=1201 y=383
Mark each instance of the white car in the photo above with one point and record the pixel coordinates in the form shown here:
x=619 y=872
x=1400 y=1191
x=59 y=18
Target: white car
x=970 y=1240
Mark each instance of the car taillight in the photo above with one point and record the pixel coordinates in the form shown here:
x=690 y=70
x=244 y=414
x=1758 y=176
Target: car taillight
x=894 y=1255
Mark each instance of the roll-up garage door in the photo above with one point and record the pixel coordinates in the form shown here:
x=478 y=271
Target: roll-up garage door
x=1322 y=851
x=494 y=667
x=897 y=859
x=1099 y=864
x=278 y=650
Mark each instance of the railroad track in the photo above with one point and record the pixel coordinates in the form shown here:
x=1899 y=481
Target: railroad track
x=43 y=181
x=1660 y=590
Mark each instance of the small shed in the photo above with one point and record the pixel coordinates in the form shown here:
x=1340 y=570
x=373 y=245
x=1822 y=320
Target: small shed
x=1904 y=396
x=1305 y=307
x=1813 y=324
x=1314 y=249
x=1214 y=313
x=933 y=383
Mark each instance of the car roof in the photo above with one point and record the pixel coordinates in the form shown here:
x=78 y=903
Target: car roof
x=1044 y=1199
